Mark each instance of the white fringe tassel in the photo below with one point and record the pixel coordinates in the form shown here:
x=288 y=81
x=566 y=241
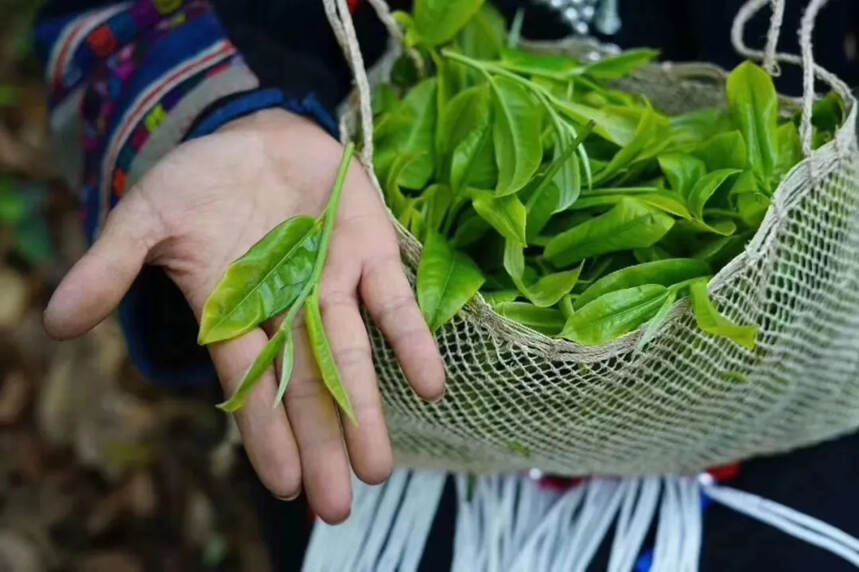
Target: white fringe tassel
x=387 y=530
x=510 y=523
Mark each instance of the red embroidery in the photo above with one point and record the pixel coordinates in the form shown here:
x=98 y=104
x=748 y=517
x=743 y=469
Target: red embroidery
x=102 y=41
x=353 y=5
x=725 y=472
x=119 y=181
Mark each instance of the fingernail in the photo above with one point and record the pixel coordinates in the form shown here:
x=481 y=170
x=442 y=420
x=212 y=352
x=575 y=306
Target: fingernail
x=439 y=398
x=288 y=499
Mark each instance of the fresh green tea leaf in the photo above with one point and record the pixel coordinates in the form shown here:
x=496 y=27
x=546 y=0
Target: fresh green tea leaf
x=646 y=142
x=723 y=151
x=828 y=113
x=470 y=229
x=700 y=125
x=438 y=21
x=548 y=321
x=437 y=199
x=666 y=201
x=545 y=291
x=754 y=107
x=447 y=279
x=682 y=171
x=482 y=37
x=711 y=321
x=260 y=365
x=542 y=204
x=394 y=196
x=621 y=65
x=704 y=188
x=516 y=135
x=630 y=224
x=614 y=123
x=263 y=283
x=568 y=174
x=465 y=137
x=614 y=314
x=505 y=214
x=321 y=348
x=752 y=208
x=650 y=254
x=663 y=272
x=500 y=296
x=385 y=99
x=789 y=148
x=287 y=364
x=721 y=250
x=652 y=326
x=466 y=112
x=410 y=130
x=537 y=64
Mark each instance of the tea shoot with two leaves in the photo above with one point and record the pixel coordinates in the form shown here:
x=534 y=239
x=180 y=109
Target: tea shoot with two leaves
x=281 y=273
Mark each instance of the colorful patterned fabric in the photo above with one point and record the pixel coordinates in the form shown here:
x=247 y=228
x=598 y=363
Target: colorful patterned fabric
x=128 y=81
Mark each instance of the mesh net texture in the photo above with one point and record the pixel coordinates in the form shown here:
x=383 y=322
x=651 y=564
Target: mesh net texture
x=687 y=401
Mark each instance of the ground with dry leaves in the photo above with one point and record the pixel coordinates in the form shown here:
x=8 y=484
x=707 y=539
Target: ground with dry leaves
x=99 y=471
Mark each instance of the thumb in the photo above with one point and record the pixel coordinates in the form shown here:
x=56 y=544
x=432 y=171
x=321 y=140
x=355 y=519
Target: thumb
x=96 y=284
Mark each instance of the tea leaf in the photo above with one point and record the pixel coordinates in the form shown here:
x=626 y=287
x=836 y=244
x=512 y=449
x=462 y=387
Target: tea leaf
x=545 y=65
x=653 y=325
x=545 y=291
x=663 y=272
x=260 y=365
x=711 y=321
x=438 y=21
x=754 y=108
x=614 y=314
x=630 y=224
x=483 y=36
x=263 y=283
x=447 y=279
x=544 y=320
x=516 y=135
x=789 y=148
x=682 y=171
x=505 y=214
x=704 y=189
x=321 y=349
x=724 y=151
x=410 y=130
x=621 y=65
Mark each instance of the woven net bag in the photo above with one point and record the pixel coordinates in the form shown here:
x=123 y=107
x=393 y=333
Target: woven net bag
x=688 y=401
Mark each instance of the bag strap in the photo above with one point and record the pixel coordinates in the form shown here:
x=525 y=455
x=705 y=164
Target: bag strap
x=344 y=30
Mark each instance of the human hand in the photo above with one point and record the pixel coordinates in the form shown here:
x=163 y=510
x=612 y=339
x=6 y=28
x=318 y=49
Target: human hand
x=199 y=209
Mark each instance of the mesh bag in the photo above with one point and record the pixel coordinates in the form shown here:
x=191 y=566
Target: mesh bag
x=688 y=401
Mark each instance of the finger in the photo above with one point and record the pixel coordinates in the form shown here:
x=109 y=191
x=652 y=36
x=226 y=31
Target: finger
x=368 y=443
x=266 y=432
x=94 y=286
x=315 y=423
x=391 y=302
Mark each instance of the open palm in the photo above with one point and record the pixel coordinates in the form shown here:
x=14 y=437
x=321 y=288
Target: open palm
x=201 y=208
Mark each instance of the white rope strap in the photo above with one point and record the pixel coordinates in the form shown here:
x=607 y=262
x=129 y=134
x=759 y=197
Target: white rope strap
x=806 y=45
x=770 y=62
x=384 y=14
x=344 y=29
